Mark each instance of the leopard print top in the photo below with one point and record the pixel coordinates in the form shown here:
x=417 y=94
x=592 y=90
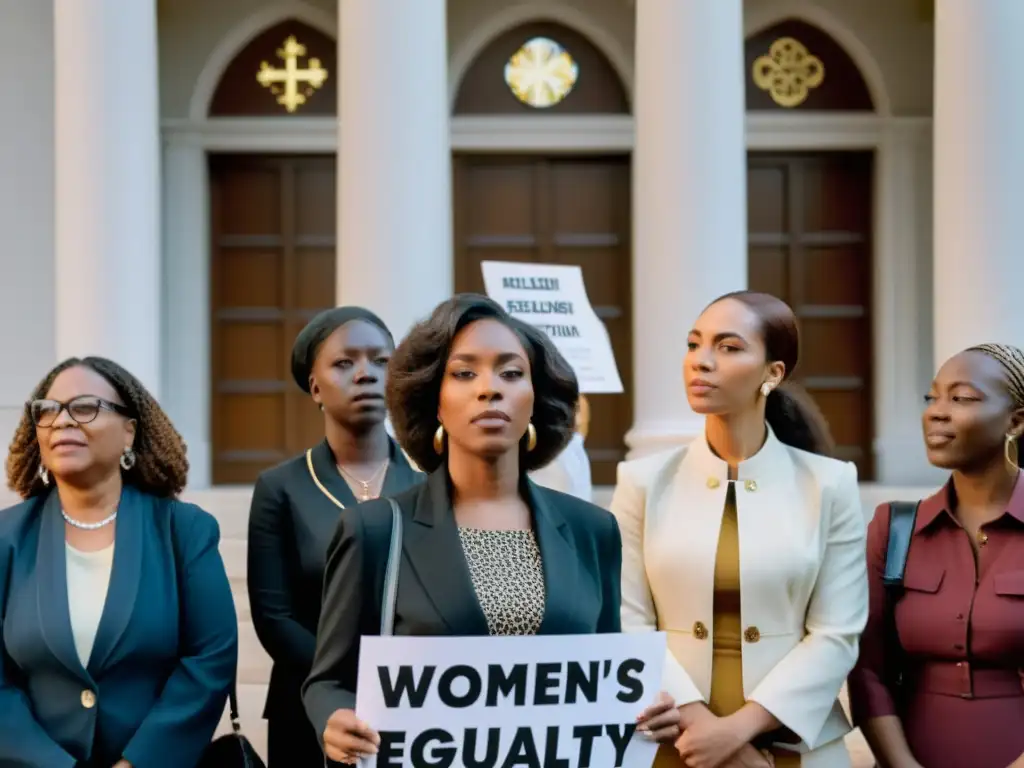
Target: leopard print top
x=508 y=577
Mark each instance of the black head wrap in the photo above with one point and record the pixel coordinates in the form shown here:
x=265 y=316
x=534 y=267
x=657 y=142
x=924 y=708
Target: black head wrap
x=311 y=338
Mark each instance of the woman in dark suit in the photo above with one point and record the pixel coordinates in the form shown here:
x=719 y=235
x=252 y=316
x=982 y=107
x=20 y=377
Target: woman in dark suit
x=479 y=399
x=118 y=636
x=340 y=359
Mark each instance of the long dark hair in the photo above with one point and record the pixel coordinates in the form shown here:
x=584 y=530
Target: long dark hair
x=791 y=413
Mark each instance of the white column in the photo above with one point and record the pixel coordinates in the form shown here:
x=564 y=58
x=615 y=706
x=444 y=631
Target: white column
x=186 y=294
x=689 y=197
x=26 y=207
x=107 y=183
x=394 y=159
x=979 y=174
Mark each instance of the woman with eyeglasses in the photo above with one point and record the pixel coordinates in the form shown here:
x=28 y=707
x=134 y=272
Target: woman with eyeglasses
x=118 y=636
x=340 y=360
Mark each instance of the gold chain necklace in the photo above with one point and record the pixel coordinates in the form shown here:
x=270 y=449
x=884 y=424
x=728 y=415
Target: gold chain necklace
x=365 y=485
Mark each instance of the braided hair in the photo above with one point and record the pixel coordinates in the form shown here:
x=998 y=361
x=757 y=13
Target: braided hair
x=1012 y=361
x=161 y=467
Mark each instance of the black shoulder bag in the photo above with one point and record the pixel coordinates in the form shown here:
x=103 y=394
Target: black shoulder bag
x=902 y=518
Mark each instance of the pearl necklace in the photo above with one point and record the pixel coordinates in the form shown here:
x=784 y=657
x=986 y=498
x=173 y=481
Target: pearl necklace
x=88 y=526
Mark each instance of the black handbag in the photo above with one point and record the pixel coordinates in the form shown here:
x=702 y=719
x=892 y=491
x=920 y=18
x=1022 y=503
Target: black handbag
x=232 y=750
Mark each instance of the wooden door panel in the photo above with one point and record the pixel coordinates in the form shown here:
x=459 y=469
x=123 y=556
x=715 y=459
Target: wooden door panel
x=314 y=269
x=272 y=269
x=251 y=277
x=767 y=270
x=809 y=234
x=836 y=275
x=552 y=210
x=250 y=202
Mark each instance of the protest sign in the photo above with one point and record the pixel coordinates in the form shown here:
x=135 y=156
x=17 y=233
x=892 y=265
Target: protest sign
x=554 y=299
x=552 y=701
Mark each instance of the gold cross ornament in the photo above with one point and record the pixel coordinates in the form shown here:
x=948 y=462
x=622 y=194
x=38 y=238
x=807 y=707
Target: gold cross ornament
x=284 y=83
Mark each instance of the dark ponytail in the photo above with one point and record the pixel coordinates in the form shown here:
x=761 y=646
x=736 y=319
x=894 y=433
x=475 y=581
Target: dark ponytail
x=797 y=421
x=793 y=416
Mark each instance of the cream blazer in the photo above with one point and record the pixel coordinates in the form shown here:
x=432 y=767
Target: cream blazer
x=803 y=578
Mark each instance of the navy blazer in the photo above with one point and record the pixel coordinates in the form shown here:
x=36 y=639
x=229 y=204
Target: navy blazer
x=579 y=545
x=165 y=651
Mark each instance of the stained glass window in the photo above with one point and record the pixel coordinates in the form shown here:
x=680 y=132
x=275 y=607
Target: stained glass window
x=541 y=73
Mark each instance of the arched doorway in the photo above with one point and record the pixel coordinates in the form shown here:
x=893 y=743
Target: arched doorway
x=552 y=208
x=272 y=254
x=810 y=226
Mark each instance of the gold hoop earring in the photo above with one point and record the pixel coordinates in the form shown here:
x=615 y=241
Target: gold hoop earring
x=439 y=440
x=531 y=437
x=1011 y=450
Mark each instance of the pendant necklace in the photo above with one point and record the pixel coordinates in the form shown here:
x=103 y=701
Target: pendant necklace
x=88 y=526
x=365 y=485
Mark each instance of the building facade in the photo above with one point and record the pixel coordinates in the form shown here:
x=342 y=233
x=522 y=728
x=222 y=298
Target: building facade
x=183 y=183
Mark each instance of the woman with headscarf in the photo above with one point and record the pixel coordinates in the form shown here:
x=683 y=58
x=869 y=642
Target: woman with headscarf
x=940 y=679
x=340 y=359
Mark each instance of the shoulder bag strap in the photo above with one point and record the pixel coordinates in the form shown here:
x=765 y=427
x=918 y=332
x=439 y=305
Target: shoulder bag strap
x=390 y=594
x=902 y=517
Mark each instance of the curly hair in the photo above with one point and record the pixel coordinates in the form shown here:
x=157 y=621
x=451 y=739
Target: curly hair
x=417 y=369
x=161 y=467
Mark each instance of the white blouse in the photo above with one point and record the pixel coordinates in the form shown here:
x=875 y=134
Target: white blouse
x=88 y=580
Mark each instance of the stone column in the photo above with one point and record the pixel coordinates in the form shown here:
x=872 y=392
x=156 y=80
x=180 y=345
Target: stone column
x=394 y=159
x=107 y=184
x=689 y=197
x=979 y=174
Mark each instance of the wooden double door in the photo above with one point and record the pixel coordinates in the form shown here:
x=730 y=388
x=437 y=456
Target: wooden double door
x=568 y=210
x=809 y=234
x=272 y=270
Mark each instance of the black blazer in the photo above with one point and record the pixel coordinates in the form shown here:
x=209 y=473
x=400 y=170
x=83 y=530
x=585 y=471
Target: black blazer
x=582 y=558
x=165 y=650
x=291 y=522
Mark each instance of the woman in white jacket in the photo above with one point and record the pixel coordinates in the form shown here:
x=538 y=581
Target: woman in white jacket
x=747 y=547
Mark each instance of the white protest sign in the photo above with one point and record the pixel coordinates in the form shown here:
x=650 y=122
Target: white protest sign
x=551 y=701
x=554 y=299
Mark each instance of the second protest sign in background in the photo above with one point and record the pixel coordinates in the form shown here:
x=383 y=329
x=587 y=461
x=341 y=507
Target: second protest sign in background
x=554 y=299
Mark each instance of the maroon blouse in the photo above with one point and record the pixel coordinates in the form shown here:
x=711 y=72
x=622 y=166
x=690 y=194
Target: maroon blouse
x=961 y=629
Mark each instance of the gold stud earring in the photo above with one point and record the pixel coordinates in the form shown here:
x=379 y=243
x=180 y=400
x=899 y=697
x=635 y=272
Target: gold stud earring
x=439 y=440
x=1011 y=450
x=531 y=437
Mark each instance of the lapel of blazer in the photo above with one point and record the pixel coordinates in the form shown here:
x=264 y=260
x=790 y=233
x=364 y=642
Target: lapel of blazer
x=135 y=512
x=400 y=476
x=558 y=556
x=434 y=551
x=52 y=587
x=324 y=473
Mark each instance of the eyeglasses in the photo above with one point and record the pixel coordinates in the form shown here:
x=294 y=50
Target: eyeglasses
x=82 y=409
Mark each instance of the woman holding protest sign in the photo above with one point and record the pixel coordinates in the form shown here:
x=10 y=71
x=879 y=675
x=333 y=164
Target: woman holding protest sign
x=747 y=547
x=478 y=399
